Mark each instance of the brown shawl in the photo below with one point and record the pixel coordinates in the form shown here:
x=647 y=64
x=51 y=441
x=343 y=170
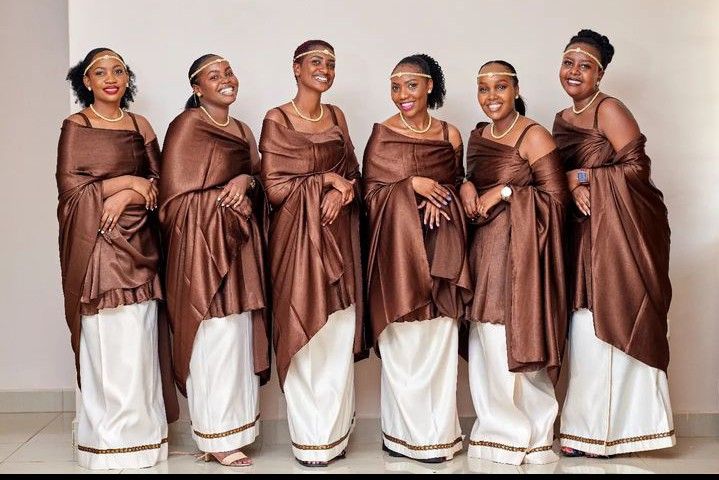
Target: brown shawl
x=116 y=268
x=315 y=270
x=215 y=263
x=414 y=273
x=516 y=254
x=619 y=256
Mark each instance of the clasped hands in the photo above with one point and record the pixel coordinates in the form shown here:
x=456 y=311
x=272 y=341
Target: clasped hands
x=114 y=205
x=476 y=205
x=436 y=197
x=341 y=192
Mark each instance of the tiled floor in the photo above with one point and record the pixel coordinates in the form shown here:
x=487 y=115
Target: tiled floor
x=41 y=443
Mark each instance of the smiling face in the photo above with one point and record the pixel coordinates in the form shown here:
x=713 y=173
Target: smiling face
x=409 y=92
x=579 y=73
x=496 y=93
x=315 y=71
x=107 y=78
x=217 y=84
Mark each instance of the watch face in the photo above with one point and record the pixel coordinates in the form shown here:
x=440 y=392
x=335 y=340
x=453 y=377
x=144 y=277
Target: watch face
x=505 y=192
x=582 y=176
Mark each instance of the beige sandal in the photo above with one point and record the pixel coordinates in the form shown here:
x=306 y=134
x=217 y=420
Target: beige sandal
x=234 y=459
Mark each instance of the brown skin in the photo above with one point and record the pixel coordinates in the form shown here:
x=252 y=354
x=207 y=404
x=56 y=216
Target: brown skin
x=315 y=74
x=412 y=91
x=496 y=96
x=108 y=80
x=614 y=120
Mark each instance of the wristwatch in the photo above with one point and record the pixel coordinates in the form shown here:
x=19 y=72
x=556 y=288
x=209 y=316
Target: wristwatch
x=505 y=193
x=582 y=177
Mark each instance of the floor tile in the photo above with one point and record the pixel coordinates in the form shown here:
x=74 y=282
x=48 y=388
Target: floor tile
x=48 y=467
x=20 y=427
x=7 y=449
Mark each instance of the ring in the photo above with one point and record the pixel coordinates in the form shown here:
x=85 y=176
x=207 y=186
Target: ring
x=237 y=194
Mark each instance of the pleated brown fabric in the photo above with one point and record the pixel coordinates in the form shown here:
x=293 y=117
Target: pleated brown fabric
x=114 y=268
x=619 y=256
x=316 y=270
x=215 y=257
x=414 y=273
x=516 y=254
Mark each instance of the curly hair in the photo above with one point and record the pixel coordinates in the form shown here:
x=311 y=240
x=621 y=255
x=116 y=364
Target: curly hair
x=519 y=103
x=428 y=66
x=85 y=97
x=597 y=40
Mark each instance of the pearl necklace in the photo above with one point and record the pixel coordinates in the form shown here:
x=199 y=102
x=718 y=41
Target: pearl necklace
x=497 y=137
x=297 y=110
x=215 y=121
x=423 y=130
x=574 y=109
x=122 y=115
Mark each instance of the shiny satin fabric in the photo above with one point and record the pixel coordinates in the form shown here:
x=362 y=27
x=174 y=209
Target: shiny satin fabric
x=215 y=262
x=516 y=254
x=118 y=267
x=414 y=273
x=316 y=270
x=619 y=256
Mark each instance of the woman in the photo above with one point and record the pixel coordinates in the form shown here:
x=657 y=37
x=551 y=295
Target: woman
x=617 y=398
x=418 y=277
x=310 y=172
x=515 y=196
x=212 y=214
x=107 y=171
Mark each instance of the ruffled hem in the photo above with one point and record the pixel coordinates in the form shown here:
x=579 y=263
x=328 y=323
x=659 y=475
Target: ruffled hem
x=151 y=290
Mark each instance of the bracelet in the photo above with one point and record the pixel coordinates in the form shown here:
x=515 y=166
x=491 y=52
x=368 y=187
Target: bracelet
x=252 y=183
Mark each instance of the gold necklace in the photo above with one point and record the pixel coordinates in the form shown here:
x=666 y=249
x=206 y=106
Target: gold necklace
x=491 y=130
x=586 y=106
x=122 y=115
x=424 y=130
x=215 y=121
x=297 y=111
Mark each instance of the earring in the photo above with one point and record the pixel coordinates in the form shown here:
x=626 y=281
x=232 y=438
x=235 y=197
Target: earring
x=198 y=94
x=430 y=91
x=89 y=88
x=516 y=97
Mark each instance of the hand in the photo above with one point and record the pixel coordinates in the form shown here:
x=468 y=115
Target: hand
x=432 y=214
x=112 y=209
x=234 y=192
x=244 y=208
x=469 y=197
x=331 y=205
x=342 y=185
x=147 y=189
x=488 y=200
x=581 y=198
x=438 y=195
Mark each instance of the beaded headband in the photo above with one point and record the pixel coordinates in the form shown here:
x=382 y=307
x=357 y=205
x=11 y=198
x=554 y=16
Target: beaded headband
x=217 y=60
x=103 y=57
x=579 y=50
x=492 y=74
x=324 y=51
x=401 y=74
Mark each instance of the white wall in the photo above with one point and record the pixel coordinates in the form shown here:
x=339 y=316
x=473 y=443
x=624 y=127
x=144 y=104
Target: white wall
x=34 y=345
x=665 y=70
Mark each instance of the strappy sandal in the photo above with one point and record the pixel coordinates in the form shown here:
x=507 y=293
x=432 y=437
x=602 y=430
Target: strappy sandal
x=234 y=459
x=571 y=452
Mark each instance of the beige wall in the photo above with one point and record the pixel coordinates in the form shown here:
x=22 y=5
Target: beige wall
x=665 y=70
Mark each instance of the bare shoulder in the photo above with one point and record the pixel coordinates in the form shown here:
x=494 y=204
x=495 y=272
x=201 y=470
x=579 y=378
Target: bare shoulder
x=247 y=130
x=537 y=143
x=76 y=118
x=455 y=137
x=275 y=115
x=145 y=128
x=341 y=119
x=616 y=122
